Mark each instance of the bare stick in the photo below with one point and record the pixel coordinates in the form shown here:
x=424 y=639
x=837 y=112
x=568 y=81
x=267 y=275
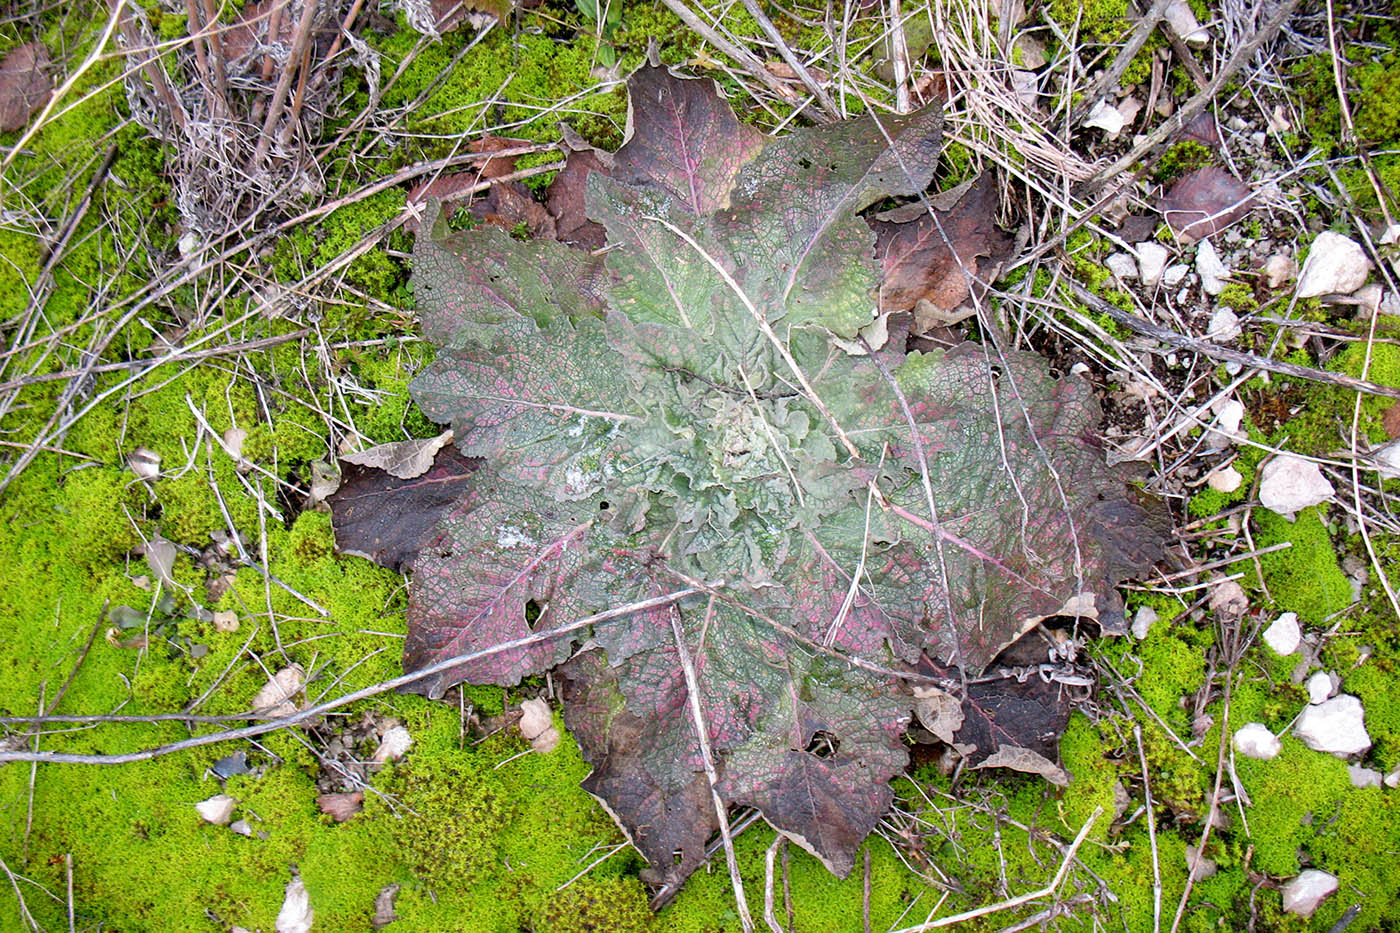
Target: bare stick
x=792 y=60
x=744 y=57
x=300 y=38
x=1151 y=833
x=770 y=859
x=702 y=732
x=386 y=686
x=1014 y=902
x=1182 y=342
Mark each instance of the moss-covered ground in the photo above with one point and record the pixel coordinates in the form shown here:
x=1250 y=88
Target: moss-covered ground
x=479 y=833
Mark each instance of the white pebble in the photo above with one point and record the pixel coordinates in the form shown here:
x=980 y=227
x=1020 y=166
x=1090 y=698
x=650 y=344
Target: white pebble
x=1289 y=483
x=1337 y=726
x=1336 y=265
x=1364 y=777
x=217 y=810
x=395 y=742
x=1278 y=269
x=1255 y=740
x=1319 y=687
x=1173 y=275
x=1143 y=620
x=1304 y=893
x=1224 y=325
x=1227 y=479
x=1211 y=269
x=1284 y=635
x=1122 y=266
x=1152 y=262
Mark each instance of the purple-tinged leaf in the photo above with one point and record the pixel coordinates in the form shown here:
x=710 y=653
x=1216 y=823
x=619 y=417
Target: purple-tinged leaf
x=1204 y=202
x=684 y=139
x=497 y=558
x=468 y=284
x=709 y=466
x=544 y=406
x=386 y=519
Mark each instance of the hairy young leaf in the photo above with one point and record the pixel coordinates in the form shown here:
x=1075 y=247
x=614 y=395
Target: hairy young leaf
x=749 y=540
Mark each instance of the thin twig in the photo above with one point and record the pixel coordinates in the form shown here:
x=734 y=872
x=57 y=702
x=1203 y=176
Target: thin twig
x=1151 y=832
x=1173 y=339
x=1014 y=902
x=386 y=686
x=702 y=733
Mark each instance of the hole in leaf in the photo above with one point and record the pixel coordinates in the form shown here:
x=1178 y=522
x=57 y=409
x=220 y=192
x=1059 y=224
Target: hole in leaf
x=603 y=506
x=824 y=745
x=533 y=611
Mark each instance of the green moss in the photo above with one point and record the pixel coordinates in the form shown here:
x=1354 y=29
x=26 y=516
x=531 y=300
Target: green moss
x=598 y=905
x=451 y=827
x=1181 y=158
x=1305 y=577
x=1173 y=667
x=1374 y=682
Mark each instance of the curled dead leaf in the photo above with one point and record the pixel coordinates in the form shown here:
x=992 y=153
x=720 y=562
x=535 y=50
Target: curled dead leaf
x=276 y=698
x=939 y=712
x=402 y=459
x=24 y=87
x=937 y=256
x=341 y=807
x=1205 y=202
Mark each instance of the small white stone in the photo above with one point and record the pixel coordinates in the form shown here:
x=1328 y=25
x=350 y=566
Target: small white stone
x=1284 y=636
x=1122 y=266
x=1288 y=483
x=1143 y=620
x=1079 y=369
x=241 y=827
x=1390 y=304
x=225 y=620
x=1368 y=300
x=1278 y=269
x=217 y=810
x=1392 y=779
x=277 y=697
x=1229 y=415
x=1336 y=265
x=296 y=915
x=1254 y=740
x=1106 y=117
x=1182 y=19
x=1319 y=687
x=1304 y=893
x=189 y=243
x=1364 y=777
x=1211 y=269
x=1152 y=262
x=1173 y=275
x=1391 y=235
x=1337 y=726
x=1227 y=479
x=1224 y=325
